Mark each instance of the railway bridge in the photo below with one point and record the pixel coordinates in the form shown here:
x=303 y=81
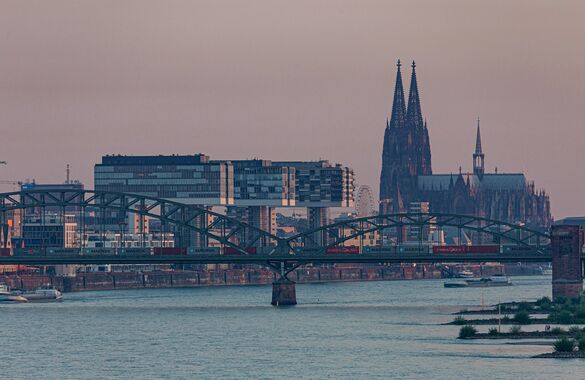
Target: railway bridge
x=202 y=236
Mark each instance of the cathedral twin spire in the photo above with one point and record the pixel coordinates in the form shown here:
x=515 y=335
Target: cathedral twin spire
x=402 y=116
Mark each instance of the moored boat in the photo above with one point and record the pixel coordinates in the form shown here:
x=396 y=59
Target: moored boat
x=479 y=282
x=7 y=296
x=45 y=294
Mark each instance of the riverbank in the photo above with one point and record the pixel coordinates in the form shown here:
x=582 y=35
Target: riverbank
x=568 y=343
x=222 y=277
x=561 y=355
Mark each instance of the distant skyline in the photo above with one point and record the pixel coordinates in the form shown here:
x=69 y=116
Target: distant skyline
x=299 y=80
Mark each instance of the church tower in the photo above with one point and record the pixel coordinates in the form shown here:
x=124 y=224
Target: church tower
x=421 y=149
x=390 y=199
x=406 y=153
x=478 y=156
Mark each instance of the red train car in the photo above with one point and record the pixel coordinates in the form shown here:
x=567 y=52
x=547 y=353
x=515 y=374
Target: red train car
x=233 y=251
x=349 y=250
x=169 y=251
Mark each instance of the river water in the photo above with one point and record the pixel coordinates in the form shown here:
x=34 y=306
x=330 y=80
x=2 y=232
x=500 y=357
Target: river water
x=359 y=330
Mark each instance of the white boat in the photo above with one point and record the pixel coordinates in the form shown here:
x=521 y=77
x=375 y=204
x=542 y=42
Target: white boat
x=478 y=282
x=46 y=294
x=7 y=296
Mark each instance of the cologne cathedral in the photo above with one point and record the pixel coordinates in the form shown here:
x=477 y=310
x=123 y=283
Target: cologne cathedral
x=407 y=176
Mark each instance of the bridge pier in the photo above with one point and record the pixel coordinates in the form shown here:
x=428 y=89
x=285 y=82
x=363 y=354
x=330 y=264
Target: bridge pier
x=284 y=292
x=567 y=245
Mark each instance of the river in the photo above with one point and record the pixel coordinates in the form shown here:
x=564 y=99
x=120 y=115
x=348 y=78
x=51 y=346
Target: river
x=354 y=330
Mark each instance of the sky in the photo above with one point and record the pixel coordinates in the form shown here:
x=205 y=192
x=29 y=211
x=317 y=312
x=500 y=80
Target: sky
x=292 y=80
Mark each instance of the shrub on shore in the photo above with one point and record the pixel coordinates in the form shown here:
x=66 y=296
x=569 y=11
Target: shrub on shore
x=581 y=344
x=564 y=345
x=557 y=330
x=467 y=331
x=576 y=332
x=493 y=331
x=515 y=330
x=459 y=320
x=522 y=317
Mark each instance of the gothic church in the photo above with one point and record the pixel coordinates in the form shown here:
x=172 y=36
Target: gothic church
x=407 y=174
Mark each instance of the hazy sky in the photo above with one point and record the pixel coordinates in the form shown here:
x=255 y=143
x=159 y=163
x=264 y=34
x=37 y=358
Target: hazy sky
x=288 y=80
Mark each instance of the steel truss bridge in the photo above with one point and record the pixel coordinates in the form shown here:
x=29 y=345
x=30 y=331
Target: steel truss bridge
x=234 y=242
x=200 y=226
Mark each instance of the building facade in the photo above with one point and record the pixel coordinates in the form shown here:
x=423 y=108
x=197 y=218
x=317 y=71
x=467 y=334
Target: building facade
x=407 y=176
x=189 y=179
x=250 y=189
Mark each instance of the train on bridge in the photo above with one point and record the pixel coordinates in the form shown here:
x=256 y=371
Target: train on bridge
x=400 y=249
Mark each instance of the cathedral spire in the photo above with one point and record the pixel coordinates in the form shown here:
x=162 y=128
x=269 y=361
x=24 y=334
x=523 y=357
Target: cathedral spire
x=398 y=106
x=414 y=114
x=478 y=156
x=478 y=140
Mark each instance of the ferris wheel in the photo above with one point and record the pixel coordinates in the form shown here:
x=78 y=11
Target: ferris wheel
x=364 y=204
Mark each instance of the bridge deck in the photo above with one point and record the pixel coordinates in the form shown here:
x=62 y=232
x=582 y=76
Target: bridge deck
x=263 y=259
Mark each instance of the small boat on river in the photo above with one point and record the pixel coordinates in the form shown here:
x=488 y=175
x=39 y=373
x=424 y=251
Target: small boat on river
x=487 y=282
x=45 y=294
x=7 y=296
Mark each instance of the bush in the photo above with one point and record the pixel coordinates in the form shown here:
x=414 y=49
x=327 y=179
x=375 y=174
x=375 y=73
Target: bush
x=564 y=317
x=522 y=317
x=493 y=331
x=515 y=330
x=564 y=345
x=557 y=331
x=524 y=306
x=459 y=320
x=576 y=301
x=580 y=313
x=576 y=332
x=544 y=303
x=467 y=331
x=561 y=300
x=581 y=344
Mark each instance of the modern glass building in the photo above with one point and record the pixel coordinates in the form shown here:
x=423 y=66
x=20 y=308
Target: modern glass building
x=251 y=189
x=321 y=184
x=188 y=179
x=259 y=183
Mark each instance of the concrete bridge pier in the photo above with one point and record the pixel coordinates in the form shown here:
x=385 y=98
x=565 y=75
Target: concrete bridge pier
x=284 y=292
x=567 y=245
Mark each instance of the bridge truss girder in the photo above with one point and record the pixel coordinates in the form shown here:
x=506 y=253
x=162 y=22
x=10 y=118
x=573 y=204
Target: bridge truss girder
x=227 y=231
x=504 y=232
